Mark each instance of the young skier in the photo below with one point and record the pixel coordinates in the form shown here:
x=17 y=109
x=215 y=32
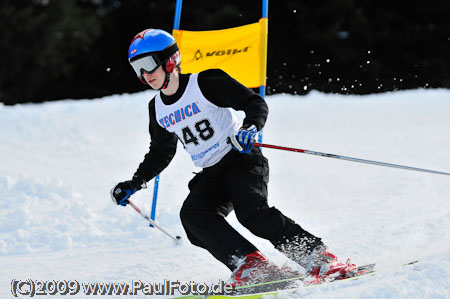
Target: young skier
x=196 y=109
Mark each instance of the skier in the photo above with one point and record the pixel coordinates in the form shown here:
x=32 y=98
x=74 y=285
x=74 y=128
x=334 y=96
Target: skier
x=196 y=109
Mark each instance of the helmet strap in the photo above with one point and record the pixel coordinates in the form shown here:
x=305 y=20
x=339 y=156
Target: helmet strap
x=166 y=80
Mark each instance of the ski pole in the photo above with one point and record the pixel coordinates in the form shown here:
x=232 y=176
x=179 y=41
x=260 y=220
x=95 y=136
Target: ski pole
x=176 y=238
x=303 y=151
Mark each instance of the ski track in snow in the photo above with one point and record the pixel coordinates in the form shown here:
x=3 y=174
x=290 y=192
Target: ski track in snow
x=59 y=161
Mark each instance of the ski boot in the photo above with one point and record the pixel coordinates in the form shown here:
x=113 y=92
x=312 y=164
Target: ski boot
x=254 y=268
x=323 y=266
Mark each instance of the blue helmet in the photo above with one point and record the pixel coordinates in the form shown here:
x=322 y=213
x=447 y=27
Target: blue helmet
x=152 y=48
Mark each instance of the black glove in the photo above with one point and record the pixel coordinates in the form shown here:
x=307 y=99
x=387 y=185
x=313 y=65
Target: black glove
x=123 y=191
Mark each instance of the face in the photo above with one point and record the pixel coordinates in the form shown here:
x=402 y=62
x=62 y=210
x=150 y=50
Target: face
x=155 y=79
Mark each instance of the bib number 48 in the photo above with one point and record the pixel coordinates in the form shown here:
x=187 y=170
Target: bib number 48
x=204 y=129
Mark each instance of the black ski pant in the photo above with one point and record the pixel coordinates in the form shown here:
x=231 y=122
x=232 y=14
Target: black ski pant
x=239 y=182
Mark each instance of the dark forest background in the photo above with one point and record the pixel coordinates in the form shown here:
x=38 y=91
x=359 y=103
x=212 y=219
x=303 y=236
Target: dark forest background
x=59 y=49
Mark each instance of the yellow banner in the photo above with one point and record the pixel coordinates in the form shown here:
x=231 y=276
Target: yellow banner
x=239 y=51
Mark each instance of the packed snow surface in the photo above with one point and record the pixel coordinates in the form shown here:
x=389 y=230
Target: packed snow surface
x=59 y=161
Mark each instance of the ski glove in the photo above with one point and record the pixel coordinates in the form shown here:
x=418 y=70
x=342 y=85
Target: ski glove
x=244 y=139
x=123 y=191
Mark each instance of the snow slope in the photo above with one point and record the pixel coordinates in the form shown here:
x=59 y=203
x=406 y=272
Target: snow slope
x=60 y=160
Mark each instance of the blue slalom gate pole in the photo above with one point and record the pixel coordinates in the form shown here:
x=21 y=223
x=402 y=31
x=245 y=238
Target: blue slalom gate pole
x=176 y=25
x=262 y=88
x=155 y=199
x=176 y=22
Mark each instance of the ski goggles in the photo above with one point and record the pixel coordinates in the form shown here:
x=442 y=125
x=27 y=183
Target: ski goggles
x=148 y=63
